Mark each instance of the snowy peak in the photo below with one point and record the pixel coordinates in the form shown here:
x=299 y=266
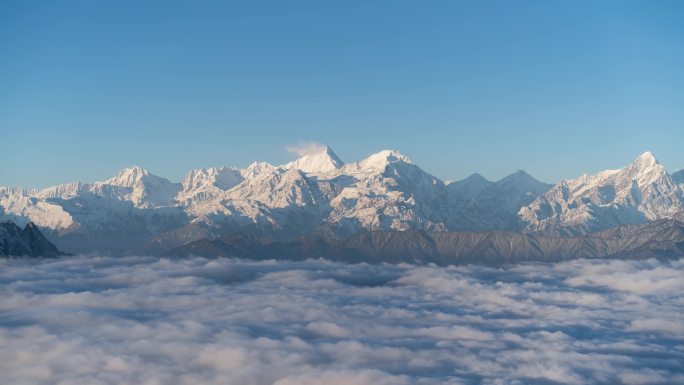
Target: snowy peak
x=223 y=178
x=646 y=170
x=642 y=191
x=208 y=183
x=256 y=169
x=64 y=191
x=380 y=160
x=128 y=177
x=137 y=185
x=645 y=160
x=322 y=160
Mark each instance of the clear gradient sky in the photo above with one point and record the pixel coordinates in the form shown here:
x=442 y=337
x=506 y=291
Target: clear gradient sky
x=556 y=88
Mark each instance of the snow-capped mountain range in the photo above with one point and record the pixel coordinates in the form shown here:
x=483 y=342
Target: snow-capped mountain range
x=640 y=192
x=319 y=194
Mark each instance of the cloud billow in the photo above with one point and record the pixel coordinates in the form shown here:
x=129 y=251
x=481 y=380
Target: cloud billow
x=143 y=320
x=306 y=148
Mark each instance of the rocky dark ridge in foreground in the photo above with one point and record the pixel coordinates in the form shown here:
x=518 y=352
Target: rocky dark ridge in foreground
x=26 y=242
x=658 y=239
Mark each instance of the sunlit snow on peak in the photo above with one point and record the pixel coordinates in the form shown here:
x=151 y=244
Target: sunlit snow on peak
x=314 y=158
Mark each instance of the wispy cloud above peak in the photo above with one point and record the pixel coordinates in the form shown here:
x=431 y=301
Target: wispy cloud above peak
x=306 y=148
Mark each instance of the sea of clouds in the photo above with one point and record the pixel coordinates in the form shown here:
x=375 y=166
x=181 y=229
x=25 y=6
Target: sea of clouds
x=141 y=320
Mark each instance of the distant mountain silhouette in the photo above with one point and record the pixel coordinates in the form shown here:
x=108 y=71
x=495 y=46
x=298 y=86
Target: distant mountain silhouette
x=29 y=241
x=657 y=239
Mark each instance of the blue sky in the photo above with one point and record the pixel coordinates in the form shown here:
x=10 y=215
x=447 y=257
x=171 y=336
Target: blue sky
x=556 y=88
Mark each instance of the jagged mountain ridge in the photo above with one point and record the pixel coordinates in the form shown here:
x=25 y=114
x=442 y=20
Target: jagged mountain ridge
x=658 y=239
x=640 y=192
x=26 y=242
x=316 y=194
x=486 y=205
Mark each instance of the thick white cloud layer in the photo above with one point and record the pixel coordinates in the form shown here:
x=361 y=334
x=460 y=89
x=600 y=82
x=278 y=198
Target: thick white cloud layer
x=197 y=321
